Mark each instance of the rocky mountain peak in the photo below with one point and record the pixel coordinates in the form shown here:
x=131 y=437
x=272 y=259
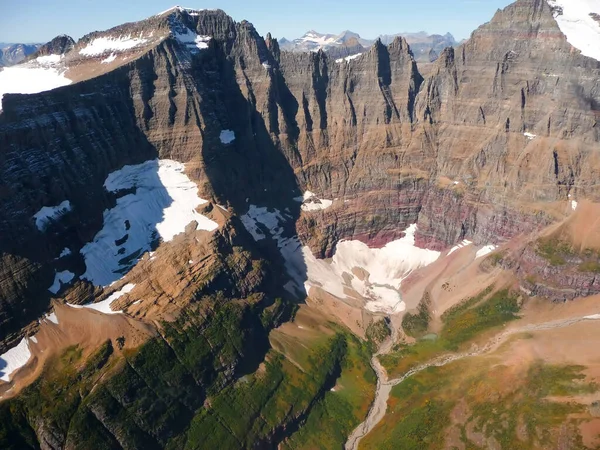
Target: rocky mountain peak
x=58 y=46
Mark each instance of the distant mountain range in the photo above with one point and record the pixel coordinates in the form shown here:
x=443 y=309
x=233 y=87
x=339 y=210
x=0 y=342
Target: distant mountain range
x=11 y=54
x=426 y=47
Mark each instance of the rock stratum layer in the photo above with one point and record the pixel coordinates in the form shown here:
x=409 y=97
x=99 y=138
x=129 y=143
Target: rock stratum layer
x=493 y=142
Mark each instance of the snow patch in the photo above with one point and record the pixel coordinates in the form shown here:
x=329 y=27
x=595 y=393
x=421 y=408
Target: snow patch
x=163 y=204
x=347 y=58
x=464 y=243
x=266 y=65
x=530 y=136
x=110 y=59
x=29 y=79
x=34 y=339
x=60 y=279
x=104 y=305
x=574 y=205
x=51 y=318
x=310 y=202
x=485 y=251
x=66 y=252
x=45 y=216
x=574 y=18
x=14 y=359
x=48 y=59
x=194 y=42
x=355 y=271
x=103 y=45
x=227 y=137
x=190 y=11
x=593 y=317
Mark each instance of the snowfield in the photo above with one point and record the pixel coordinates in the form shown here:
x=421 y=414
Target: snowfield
x=61 y=278
x=576 y=23
x=102 y=45
x=347 y=58
x=463 y=244
x=484 y=251
x=30 y=79
x=109 y=59
x=47 y=214
x=14 y=359
x=104 y=305
x=194 y=42
x=310 y=202
x=164 y=203
x=355 y=271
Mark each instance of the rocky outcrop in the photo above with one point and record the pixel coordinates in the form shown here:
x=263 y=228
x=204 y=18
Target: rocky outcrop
x=58 y=46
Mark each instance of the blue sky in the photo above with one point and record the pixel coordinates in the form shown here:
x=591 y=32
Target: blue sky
x=41 y=20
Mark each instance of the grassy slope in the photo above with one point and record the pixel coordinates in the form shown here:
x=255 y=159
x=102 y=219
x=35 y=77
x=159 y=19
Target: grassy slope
x=187 y=389
x=515 y=414
x=462 y=324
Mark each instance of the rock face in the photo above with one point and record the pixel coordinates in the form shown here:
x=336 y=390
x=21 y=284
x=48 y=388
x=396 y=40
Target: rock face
x=448 y=152
x=57 y=46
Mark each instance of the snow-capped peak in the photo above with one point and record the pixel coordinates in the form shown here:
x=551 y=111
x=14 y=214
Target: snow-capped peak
x=579 y=20
x=181 y=9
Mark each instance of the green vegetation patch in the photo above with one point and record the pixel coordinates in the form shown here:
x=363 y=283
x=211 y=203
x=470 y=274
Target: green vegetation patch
x=461 y=324
x=416 y=325
x=517 y=411
x=377 y=332
x=333 y=418
x=553 y=250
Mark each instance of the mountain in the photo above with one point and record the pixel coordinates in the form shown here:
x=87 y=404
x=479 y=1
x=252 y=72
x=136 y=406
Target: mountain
x=11 y=54
x=424 y=46
x=208 y=242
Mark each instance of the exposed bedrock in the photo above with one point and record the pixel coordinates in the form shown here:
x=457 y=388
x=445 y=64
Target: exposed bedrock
x=499 y=127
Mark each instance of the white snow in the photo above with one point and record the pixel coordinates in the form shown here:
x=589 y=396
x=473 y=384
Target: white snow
x=574 y=205
x=576 y=23
x=190 y=11
x=347 y=58
x=593 y=317
x=103 y=45
x=164 y=203
x=464 y=243
x=47 y=214
x=227 y=136
x=61 y=278
x=52 y=318
x=530 y=136
x=14 y=359
x=30 y=79
x=310 y=202
x=194 y=42
x=49 y=59
x=384 y=268
x=104 y=305
x=266 y=65
x=485 y=251
x=110 y=59
x=34 y=339
x=66 y=252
